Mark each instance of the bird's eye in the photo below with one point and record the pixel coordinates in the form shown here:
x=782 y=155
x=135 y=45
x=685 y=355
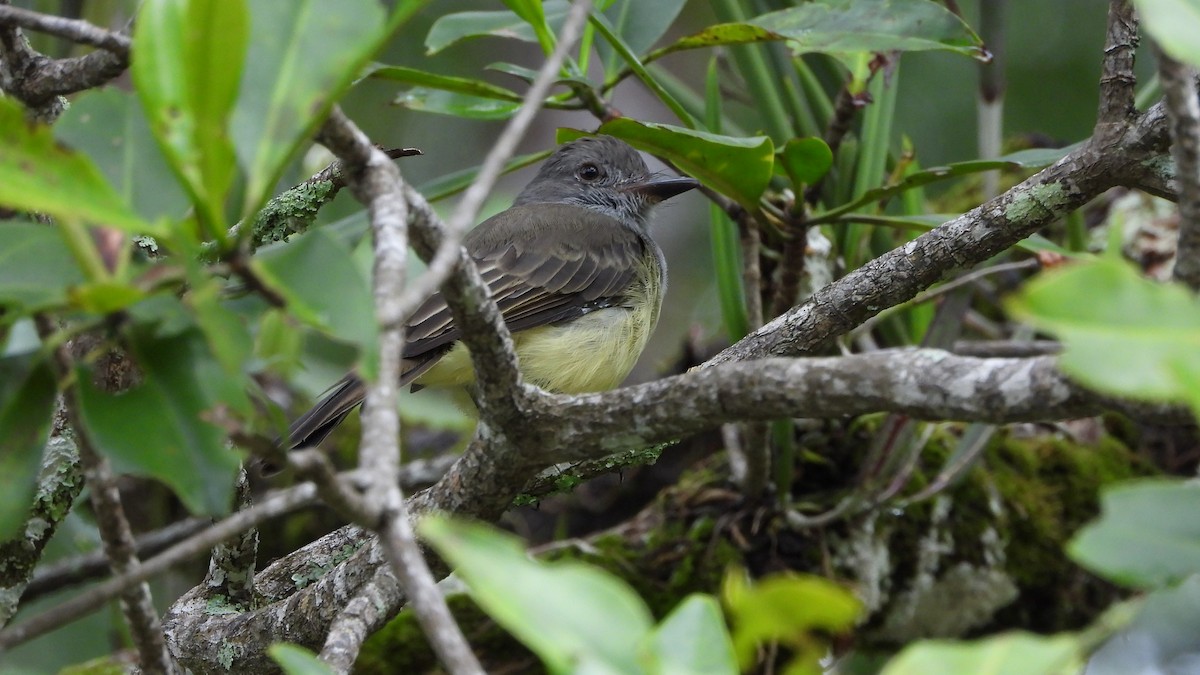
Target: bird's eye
x=588 y=172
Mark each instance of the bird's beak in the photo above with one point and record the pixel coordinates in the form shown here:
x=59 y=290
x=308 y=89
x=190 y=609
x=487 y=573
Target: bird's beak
x=660 y=189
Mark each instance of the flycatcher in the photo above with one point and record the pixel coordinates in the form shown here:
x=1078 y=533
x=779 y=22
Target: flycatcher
x=573 y=270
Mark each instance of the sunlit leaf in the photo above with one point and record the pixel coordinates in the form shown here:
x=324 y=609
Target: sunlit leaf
x=1136 y=343
x=693 y=640
x=785 y=607
x=36 y=172
x=1008 y=654
x=553 y=608
x=296 y=660
x=187 y=62
x=303 y=57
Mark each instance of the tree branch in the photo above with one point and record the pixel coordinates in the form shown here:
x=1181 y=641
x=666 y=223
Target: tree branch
x=1183 y=107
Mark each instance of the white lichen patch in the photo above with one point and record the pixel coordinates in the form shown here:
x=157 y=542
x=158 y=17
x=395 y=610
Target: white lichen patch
x=864 y=557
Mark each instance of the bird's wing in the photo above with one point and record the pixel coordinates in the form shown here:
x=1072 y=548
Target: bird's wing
x=543 y=264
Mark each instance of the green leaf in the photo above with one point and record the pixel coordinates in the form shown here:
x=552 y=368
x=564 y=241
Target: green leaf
x=639 y=24
x=847 y=26
x=555 y=609
x=303 y=58
x=104 y=297
x=296 y=660
x=27 y=393
x=806 y=160
x=36 y=171
x=693 y=640
x=452 y=28
x=227 y=336
x=600 y=24
x=108 y=124
x=739 y=168
x=455 y=104
x=1134 y=344
x=1174 y=24
x=532 y=13
x=36 y=268
x=784 y=608
x=460 y=85
x=160 y=429
x=1147 y=535
x=323 y=288
x=187 y=61
x=1007 y=654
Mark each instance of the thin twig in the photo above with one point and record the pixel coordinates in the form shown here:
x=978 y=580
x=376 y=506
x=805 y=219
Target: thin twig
x=75 y=30
x=193 y=547
x=115 y=533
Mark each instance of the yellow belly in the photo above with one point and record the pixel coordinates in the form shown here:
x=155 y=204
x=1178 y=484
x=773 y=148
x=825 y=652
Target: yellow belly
x=592 y=353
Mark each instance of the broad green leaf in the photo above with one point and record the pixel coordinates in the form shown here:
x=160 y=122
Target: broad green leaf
x=693 y=640
x=1134 y=343
x=303 y=57
x=1174 y=24
x=784 y=608
x=847 y=26
x=455 y=104
x=1147 y=535
x=532 y=13
x=187 y=62
x=27 y=392
x=226 y=334
x=36 y=172
x=639 y=24
x=109 y=125
x=296 y=660
x=1007 y=654
x=105 y=297
x=36 y=268
x=739 y=168
x=567 y=613
x=161 y=427
x=805 y=160
x=452 y=28
x=460 y=85
x=323 y=287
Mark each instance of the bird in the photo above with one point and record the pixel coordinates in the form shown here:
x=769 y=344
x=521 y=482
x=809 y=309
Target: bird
x=573 y=269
